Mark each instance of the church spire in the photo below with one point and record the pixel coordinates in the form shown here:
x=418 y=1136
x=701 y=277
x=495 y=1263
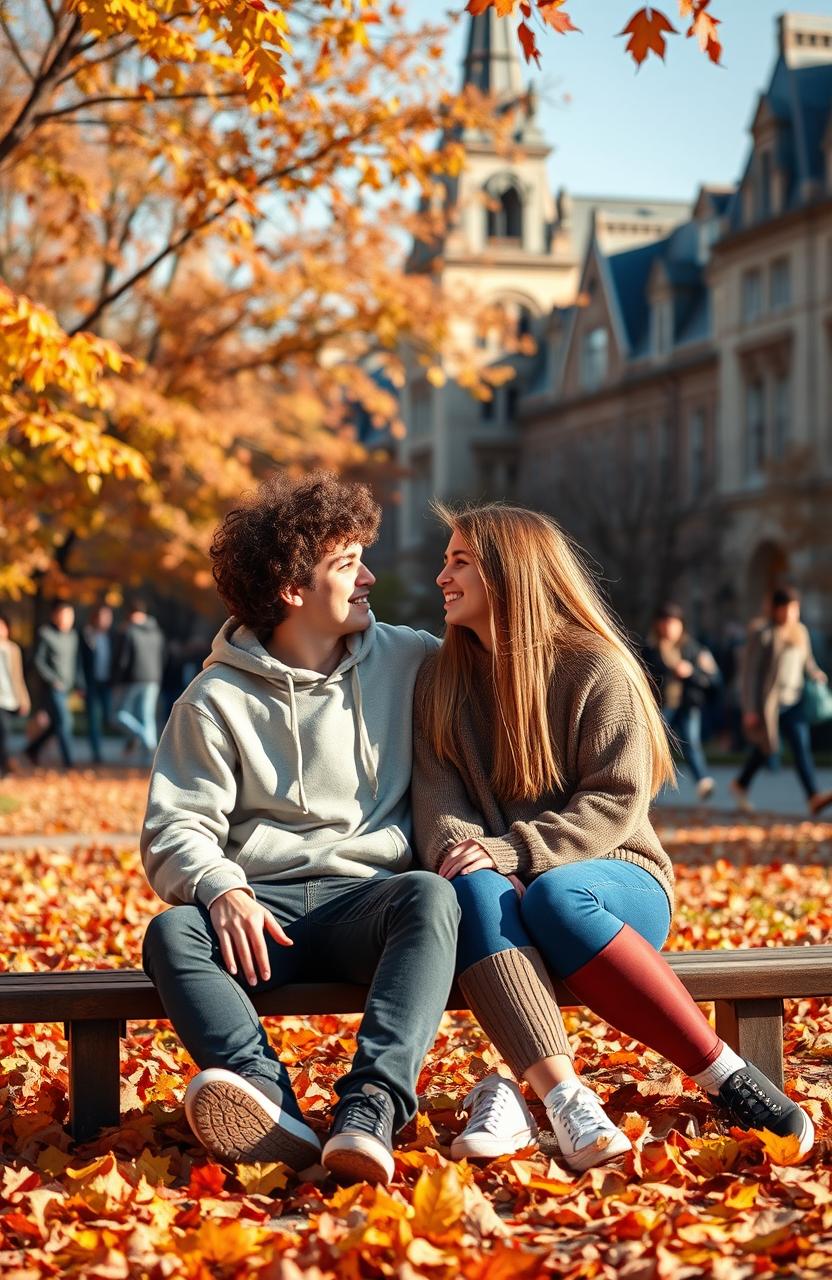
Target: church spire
x=492 y=63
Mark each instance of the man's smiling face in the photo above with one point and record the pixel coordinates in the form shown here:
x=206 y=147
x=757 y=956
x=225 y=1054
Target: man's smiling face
x=338 y=603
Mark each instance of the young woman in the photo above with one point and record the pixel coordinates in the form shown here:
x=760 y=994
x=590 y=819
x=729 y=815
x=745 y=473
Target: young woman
x=777 y=660
x=538 y=748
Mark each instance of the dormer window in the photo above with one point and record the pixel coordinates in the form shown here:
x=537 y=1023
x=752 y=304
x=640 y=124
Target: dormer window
x=765 y=172
x=594 y=358
x=504 y=216
x=662 y=326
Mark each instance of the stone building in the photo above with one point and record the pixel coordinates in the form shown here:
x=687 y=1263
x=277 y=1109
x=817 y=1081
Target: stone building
x=512 y=243
x=684 y=432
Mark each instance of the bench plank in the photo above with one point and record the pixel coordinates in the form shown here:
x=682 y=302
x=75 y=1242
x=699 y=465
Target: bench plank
x=747 y=986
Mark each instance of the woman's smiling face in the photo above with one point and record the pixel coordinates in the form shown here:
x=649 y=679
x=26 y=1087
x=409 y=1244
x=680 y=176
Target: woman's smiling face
x=461 y=584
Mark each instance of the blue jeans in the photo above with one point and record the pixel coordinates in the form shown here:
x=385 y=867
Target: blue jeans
x=569 y=913
x=138 y=712
x=60 y=725
x=99 y=712
x=396 y=934
x=795 y=729
x=686 y=723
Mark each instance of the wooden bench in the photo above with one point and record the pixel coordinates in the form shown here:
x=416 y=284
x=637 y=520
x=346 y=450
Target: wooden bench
x=748 y=988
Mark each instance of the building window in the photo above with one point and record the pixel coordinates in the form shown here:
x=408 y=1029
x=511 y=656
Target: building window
x=667 y=456
x=755 y=426
x=594 y=357
x=781 y=284
x=764 y=184
x=421 y=404
x=752 y=296
x=504 y=220
x=663 y=327
x=782 y=414
x=488 y=408
x=697 y=446
x=512 y=402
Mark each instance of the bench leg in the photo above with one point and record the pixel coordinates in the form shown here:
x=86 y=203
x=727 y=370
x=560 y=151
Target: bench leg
x=94 y=1079
x=754 y=1029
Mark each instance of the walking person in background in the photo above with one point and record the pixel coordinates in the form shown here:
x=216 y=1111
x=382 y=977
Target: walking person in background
x=138 y=669
x=56 y=662
x=14 y=696
x=683 y=671
x=97 y=664
x=775 y=664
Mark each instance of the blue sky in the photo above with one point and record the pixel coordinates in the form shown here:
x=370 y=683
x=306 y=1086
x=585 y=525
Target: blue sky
x=661 y=131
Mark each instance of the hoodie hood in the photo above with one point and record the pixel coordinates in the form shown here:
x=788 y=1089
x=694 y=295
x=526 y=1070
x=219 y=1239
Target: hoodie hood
x=237 y=646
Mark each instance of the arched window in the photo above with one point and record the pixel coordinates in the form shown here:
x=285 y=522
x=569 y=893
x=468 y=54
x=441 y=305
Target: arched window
x=504 y=215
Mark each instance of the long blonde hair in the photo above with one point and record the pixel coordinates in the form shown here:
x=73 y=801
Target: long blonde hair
x=536 y=585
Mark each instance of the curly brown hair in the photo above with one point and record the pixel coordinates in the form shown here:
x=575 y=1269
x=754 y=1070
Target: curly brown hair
x=276 y=537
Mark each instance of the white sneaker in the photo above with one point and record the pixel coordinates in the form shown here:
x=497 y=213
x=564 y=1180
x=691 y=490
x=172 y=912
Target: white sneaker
x=705 y=788
x=499 y=1122
x=586 y=1135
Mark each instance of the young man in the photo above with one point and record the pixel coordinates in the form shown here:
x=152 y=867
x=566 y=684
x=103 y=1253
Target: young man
x=56 y=662
x=279 y=820
x=138 y=669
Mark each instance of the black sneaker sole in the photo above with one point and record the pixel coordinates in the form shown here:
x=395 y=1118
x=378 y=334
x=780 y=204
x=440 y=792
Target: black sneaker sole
x=233 y=1127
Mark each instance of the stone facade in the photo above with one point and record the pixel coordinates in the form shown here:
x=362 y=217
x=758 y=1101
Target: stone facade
x=715 y=396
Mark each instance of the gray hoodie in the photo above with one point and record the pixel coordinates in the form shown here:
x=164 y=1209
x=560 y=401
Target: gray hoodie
x=269 y=772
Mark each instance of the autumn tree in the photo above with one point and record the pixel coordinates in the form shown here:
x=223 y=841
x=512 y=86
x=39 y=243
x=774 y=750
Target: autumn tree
x=202 y=209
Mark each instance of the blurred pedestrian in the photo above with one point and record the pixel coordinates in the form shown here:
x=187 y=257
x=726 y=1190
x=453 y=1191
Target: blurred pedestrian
x=683 y=671
x=56 y=662
x=776 y=662
x=138 y=669
x=97 y=664
x=14 y=696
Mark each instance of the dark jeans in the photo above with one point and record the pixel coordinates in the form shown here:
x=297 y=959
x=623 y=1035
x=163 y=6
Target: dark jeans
x=686 y=723
x=60 y=725
x=396 y=934
x=794 y=728
x=6 y=721
x=569 y=913
x=99 y=713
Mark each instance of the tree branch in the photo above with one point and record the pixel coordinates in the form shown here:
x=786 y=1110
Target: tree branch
x=15 y=48
x=46 y=75
x=43 y=116
x=179 y=242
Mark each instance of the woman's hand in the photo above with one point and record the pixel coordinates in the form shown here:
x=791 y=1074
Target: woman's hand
x=241 y=925
x=466 y=856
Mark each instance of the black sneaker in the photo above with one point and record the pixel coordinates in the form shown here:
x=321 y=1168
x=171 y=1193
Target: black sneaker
x=360 y=1146
x=244 y=1121
x=753 y=1102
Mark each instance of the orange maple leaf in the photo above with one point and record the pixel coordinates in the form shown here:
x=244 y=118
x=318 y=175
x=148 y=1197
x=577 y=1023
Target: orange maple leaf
x=552 y=11
x=647 y=30
x=704 y=27
x=504 y=7
x=528 y=42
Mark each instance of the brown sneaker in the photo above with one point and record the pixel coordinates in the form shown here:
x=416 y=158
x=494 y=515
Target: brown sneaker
x=741 y=796
x=819 y=801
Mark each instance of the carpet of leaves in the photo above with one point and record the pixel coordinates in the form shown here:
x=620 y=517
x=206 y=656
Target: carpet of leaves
x=693 y=1200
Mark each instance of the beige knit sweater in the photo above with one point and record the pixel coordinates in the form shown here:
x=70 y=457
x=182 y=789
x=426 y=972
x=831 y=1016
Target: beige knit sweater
x=603 y=747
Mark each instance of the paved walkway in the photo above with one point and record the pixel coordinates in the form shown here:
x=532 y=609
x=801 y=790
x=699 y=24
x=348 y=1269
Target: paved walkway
x=771 y=792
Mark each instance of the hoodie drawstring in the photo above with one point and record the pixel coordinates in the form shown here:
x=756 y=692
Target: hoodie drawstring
x=293 y=714
x=365 y=749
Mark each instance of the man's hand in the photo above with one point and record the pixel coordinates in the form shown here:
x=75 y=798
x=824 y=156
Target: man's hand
x=750 y=720
x=683 y=669
x=466 y=856
x=241 y=924
x=706 y=661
